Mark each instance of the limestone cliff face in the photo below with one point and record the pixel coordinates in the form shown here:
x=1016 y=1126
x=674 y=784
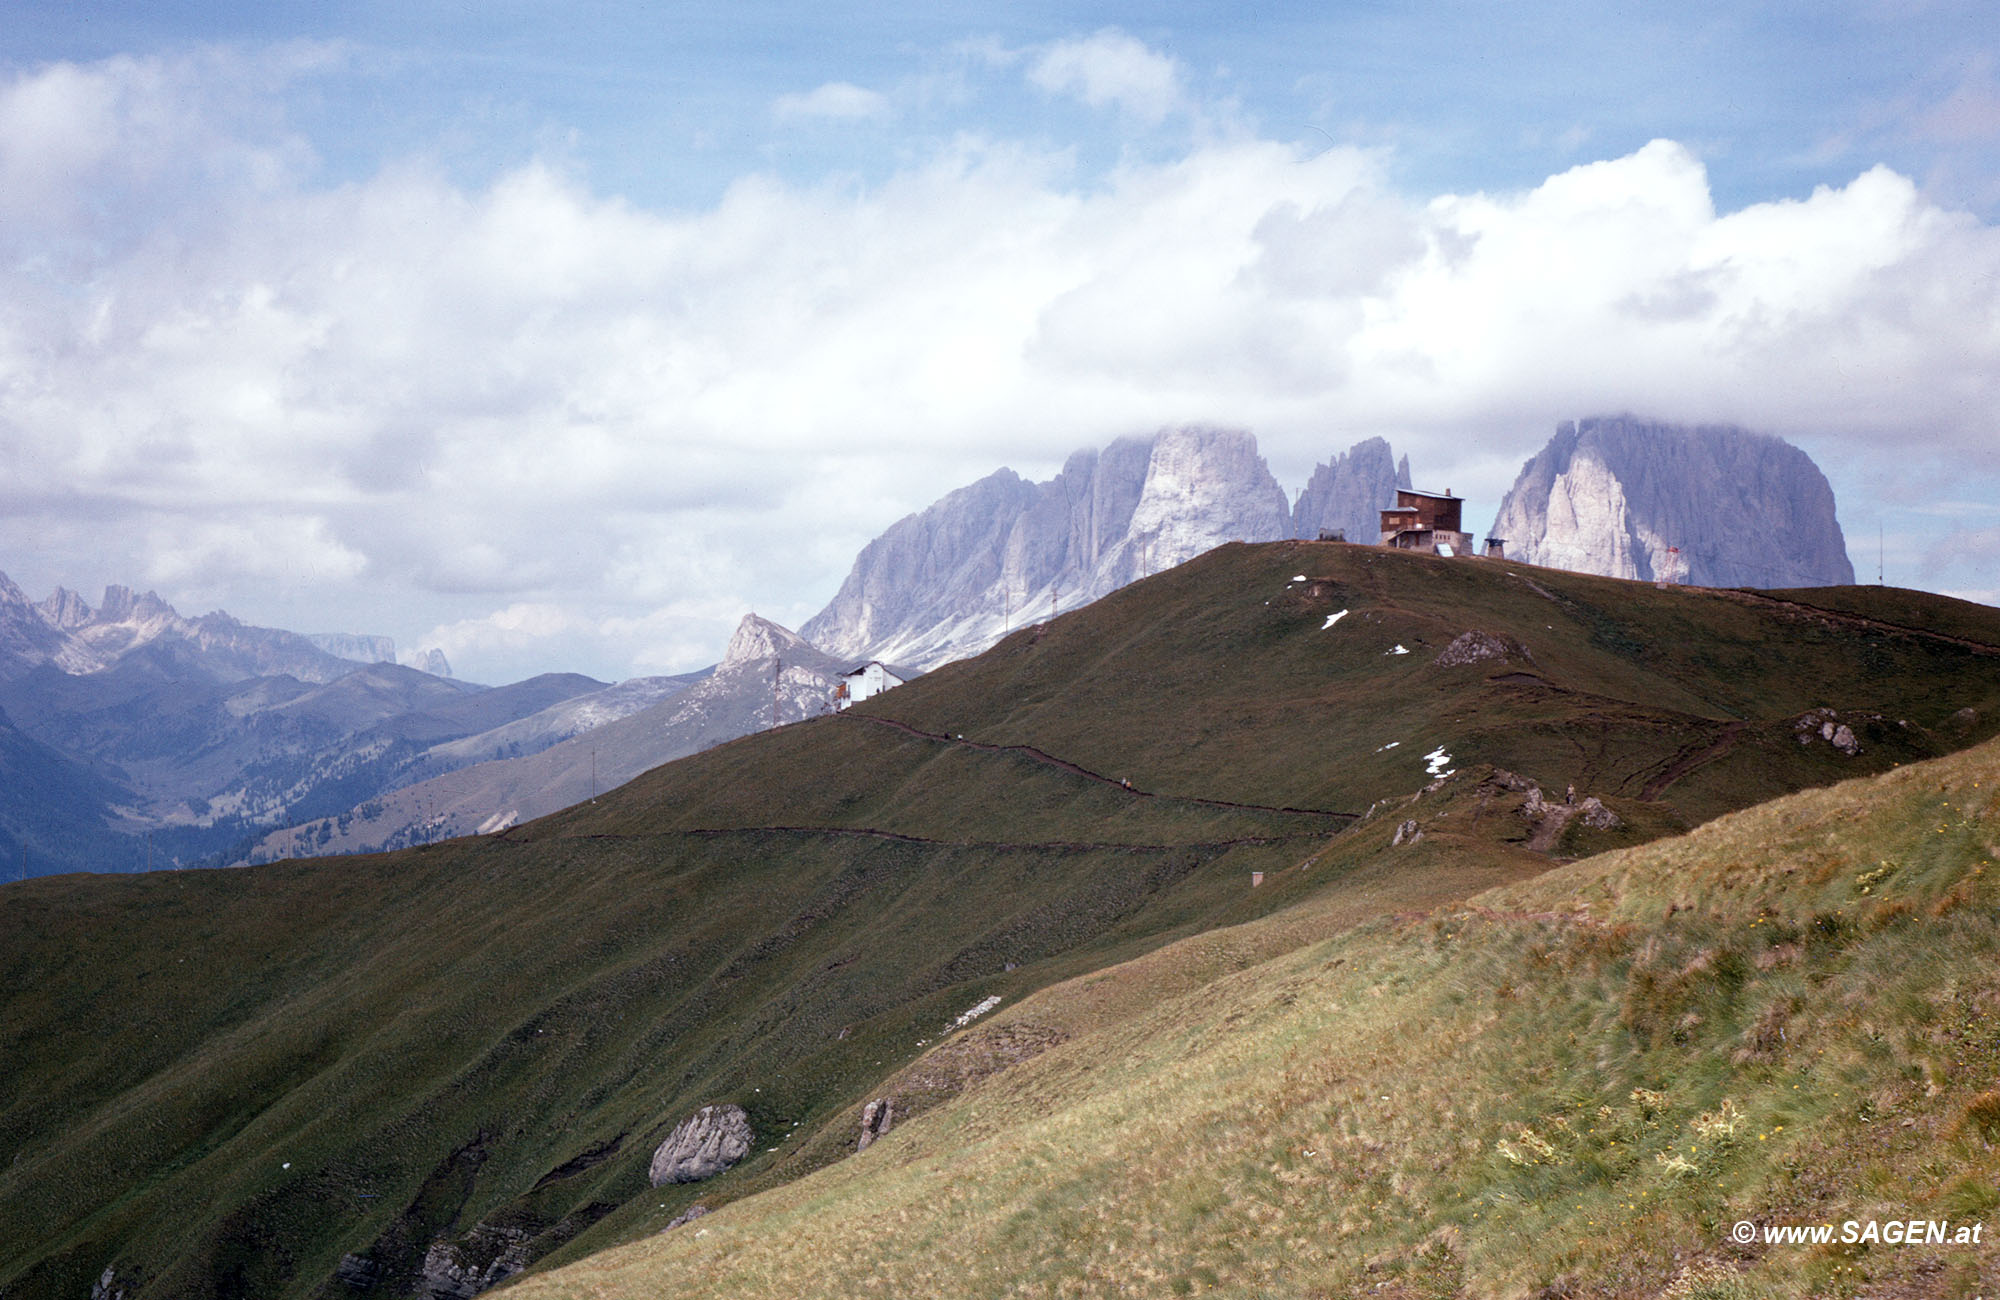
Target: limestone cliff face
x=950 y=580
x=1350 y=491
x=1712 y=506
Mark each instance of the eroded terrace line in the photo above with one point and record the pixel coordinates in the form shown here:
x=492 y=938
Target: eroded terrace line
x=1050 y=760
x=865 y=832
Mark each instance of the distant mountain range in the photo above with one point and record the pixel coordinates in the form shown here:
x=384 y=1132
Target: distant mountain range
x=1618 y=496
x=768 y=676
x=227 y=742
x=66 y=633
x=133 y=736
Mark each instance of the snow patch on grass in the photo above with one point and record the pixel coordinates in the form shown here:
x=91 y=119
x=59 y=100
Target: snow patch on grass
x=967 y=1017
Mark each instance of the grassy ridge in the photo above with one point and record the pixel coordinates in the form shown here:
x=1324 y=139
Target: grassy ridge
x=223 y=1083
x=1221 y=681
x=1571 y=1086
x=372 y=1029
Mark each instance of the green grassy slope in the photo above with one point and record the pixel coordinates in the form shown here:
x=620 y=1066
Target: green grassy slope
x=1572 y=1086
x=176 y=1040
x=222 y=1083
x=1218 y=680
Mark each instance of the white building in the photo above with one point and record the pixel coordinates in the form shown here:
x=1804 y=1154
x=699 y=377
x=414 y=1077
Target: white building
x=871 y=678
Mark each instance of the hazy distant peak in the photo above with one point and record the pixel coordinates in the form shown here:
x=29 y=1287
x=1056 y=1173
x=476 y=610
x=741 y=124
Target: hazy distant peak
x=1349 y=492
x=120 y=605
x=430 y=661
x=12 y=596
x=359 y=648
x=66 y=610
x=759 y=638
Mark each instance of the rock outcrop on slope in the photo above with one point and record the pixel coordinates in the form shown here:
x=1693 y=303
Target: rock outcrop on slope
x=1348 y=493
x=954 y=578
x=702 y=1146
x=459 y=1270
x=1713 y=506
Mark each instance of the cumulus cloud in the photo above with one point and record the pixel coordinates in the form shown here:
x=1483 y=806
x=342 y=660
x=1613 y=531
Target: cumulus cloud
x=618 y=427
x=293 y=547
x=524 y=626
x=1110 y=69
x=85 y=148
x=839 y=100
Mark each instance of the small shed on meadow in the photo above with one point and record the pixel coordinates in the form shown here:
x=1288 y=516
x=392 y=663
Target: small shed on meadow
x=869 y=679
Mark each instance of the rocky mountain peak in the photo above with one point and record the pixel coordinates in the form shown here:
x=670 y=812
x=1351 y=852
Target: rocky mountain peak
x=1347 y=493
x=1713 y=505
x=759 y=638
x=430 y=661
x=12 y=598
x=66 y=610
x=1002 y=552
x=1203 y=487
x=121 y=605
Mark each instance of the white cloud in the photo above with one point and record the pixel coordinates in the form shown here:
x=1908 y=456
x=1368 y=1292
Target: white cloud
x=839 y=100
x=85 y=149
x=286 y=548
x=534 y=398
x=1108 y=69
x=523 y=626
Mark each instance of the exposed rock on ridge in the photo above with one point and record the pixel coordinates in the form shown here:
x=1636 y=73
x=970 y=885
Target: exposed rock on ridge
x=876 y=1119
x=1612 y=495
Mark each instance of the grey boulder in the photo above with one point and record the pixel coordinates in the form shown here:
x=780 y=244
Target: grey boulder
x=702 y=1146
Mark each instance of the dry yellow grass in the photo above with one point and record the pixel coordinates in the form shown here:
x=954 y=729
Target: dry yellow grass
x=1577 y=1081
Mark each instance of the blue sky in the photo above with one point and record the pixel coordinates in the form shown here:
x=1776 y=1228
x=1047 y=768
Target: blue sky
x=665 y=104
x=559 y=336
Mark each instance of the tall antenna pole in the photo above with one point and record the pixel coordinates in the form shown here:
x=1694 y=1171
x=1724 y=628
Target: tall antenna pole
x=1878 y=552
